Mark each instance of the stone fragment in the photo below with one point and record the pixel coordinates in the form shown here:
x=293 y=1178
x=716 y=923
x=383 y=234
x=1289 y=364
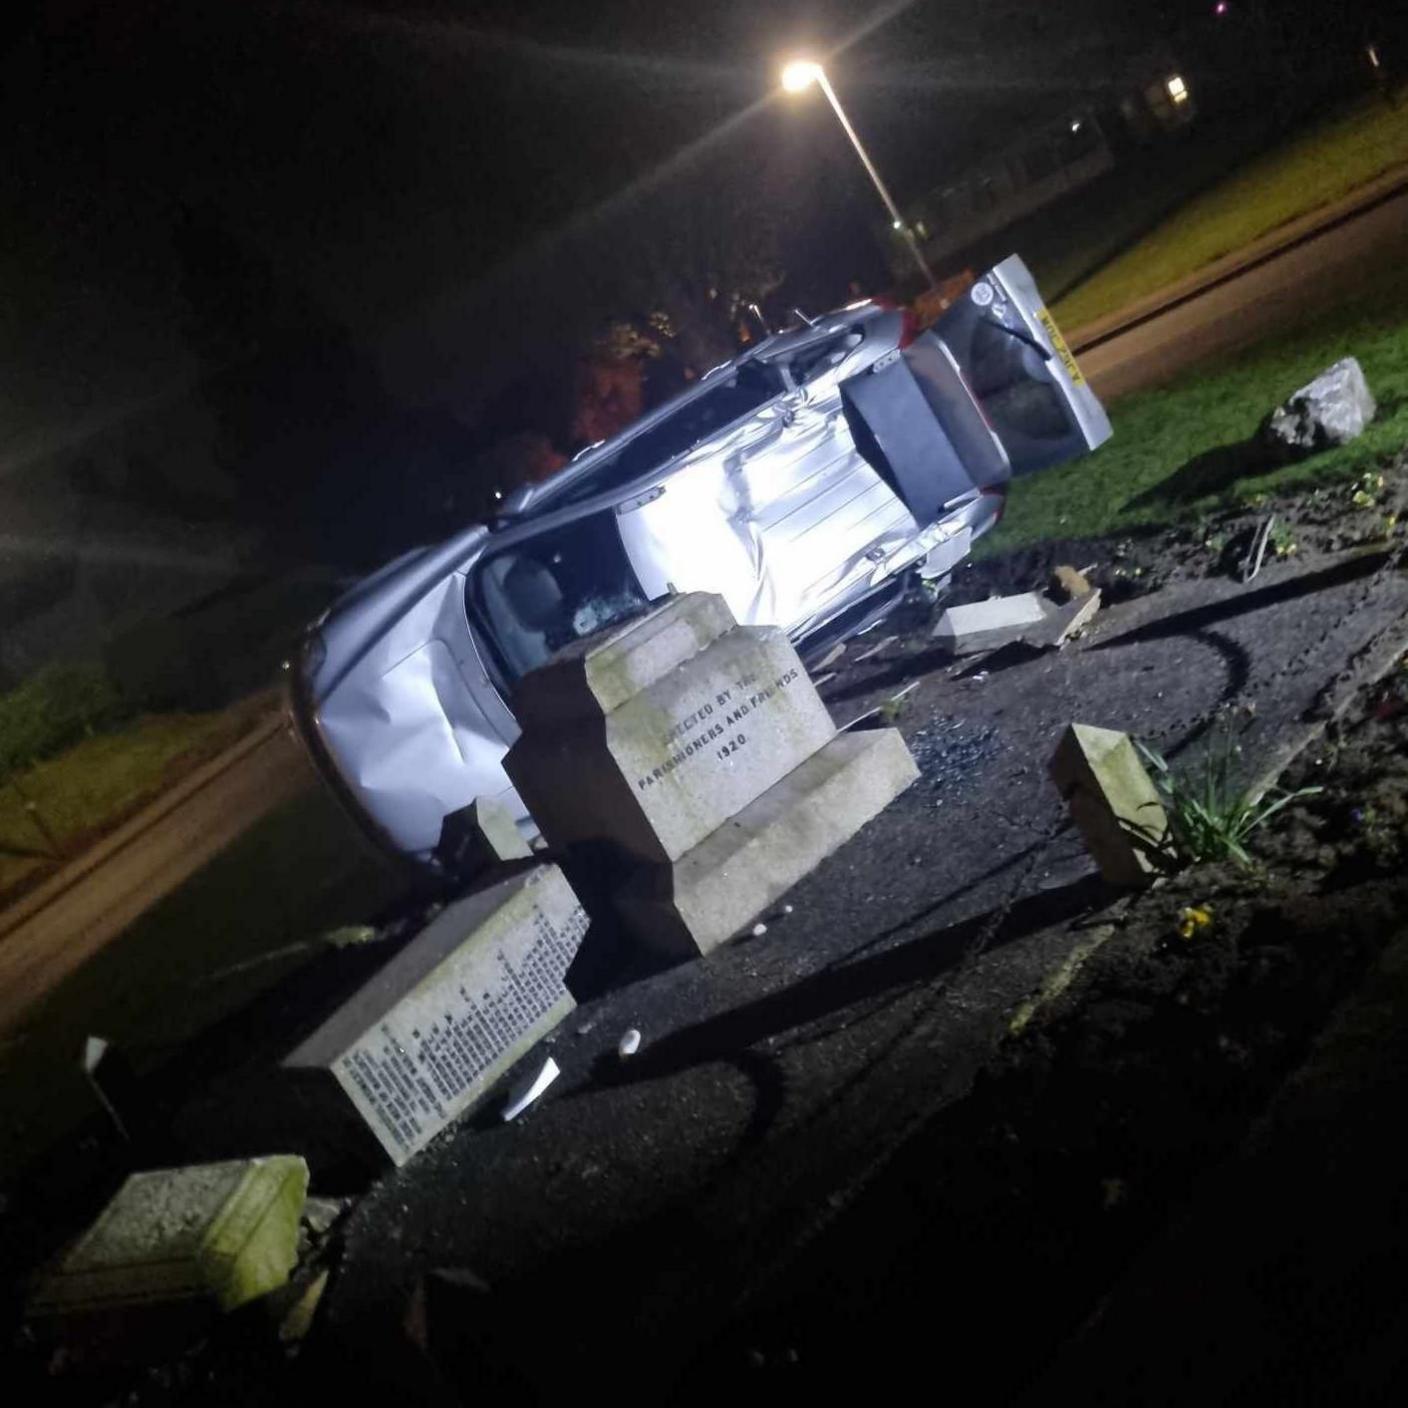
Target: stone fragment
x=209 y=1234
x=1113 y=803
x=1331 y=410
x=1064 y=622
x=452 y=1011
x=480 y=837
x=985 y=625
x=1068 y=583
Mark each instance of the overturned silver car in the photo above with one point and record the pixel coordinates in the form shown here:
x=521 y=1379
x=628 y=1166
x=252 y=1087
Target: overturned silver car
x=803 y=481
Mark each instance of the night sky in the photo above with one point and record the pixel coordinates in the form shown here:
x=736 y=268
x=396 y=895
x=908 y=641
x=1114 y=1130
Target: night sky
x=459 y=190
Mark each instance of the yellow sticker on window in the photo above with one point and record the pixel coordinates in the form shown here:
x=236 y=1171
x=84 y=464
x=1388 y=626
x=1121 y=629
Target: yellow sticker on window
x=1058 y=342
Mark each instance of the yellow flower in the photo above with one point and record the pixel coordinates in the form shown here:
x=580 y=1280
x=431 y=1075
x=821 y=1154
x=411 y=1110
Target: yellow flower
x=1194 y=919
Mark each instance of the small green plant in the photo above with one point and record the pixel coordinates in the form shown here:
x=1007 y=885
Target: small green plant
x=1283 y=542
x=1210 y=815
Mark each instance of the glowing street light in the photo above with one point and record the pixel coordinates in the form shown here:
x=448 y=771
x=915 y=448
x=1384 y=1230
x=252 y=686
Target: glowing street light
x=797 y=77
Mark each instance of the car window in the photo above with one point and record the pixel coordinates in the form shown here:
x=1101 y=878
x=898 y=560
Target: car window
x=546 y=591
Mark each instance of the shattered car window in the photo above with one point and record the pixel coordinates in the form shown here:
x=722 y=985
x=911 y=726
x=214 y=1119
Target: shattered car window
x=540 y=595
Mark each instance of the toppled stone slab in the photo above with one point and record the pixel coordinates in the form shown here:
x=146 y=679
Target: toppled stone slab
x=1332 y=410
x=182 y=1240
x=1112 y=801
x=443 y=1020
x=985 y=625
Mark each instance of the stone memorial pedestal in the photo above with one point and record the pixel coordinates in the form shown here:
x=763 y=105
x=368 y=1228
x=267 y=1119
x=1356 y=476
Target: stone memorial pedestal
x=697 y=750
x=445 y=1018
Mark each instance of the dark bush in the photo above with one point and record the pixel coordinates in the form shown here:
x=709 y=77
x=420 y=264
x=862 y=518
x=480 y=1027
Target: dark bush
x=55 y=706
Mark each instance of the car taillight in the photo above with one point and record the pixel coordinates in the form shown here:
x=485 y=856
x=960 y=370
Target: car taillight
x=909 y=326
x=1000 y=494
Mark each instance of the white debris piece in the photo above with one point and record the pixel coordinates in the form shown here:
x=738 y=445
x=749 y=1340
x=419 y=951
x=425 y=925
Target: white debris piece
x=629 y=1043
x=528 y=1091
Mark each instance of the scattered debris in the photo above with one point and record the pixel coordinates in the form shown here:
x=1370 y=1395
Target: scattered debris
x=629 y=1043
x=968 y=630
x=1068 y=583
x=1331 y=410
x=528 y=1091
x=320 y=1215
x=479 y=837
x=1256 y=555
x=819 y=680
x=301 y=1307
x=95 y=1049
x=758 y=930
x=350 y=936
x=1063 y=623
x=1113 y=802
x=874 y=650
x=831 y=657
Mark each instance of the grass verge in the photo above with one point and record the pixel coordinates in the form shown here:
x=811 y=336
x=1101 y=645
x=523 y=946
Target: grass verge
x=1314 y=169
x=50 y=811
x=1204 y=419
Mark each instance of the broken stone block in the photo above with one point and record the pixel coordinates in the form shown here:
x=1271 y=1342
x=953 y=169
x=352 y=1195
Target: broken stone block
x=985 y=625
x=463 y=1000
x=480 y=837
x=173 y=1246
x=1332 y=410
x=1112 y=801
x=1064 y=622
x=712 y=788
x=1068 y=583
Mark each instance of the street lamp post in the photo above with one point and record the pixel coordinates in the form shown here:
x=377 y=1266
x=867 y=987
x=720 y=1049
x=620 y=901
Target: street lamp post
x=799 y=76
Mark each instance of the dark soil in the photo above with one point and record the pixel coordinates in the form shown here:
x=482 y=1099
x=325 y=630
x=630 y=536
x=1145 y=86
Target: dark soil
x=1307 y=523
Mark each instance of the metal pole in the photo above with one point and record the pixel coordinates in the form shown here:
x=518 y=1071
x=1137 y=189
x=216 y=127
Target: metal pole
x=896 y=219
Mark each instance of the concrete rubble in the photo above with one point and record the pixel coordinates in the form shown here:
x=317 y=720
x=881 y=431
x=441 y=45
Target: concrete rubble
x=1331 y=410
x=1113 y=802
x=172 y=1248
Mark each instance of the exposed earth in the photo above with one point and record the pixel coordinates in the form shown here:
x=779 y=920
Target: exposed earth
x=933 y=1115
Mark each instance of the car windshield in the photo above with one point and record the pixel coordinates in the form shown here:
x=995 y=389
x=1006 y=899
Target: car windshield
x=730 y=395
x=547 y=591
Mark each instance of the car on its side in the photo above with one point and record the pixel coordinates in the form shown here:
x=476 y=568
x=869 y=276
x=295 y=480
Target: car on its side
x=805 y=481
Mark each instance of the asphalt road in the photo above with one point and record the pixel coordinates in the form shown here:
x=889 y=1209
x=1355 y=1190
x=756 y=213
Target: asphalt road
x=1342 y=261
